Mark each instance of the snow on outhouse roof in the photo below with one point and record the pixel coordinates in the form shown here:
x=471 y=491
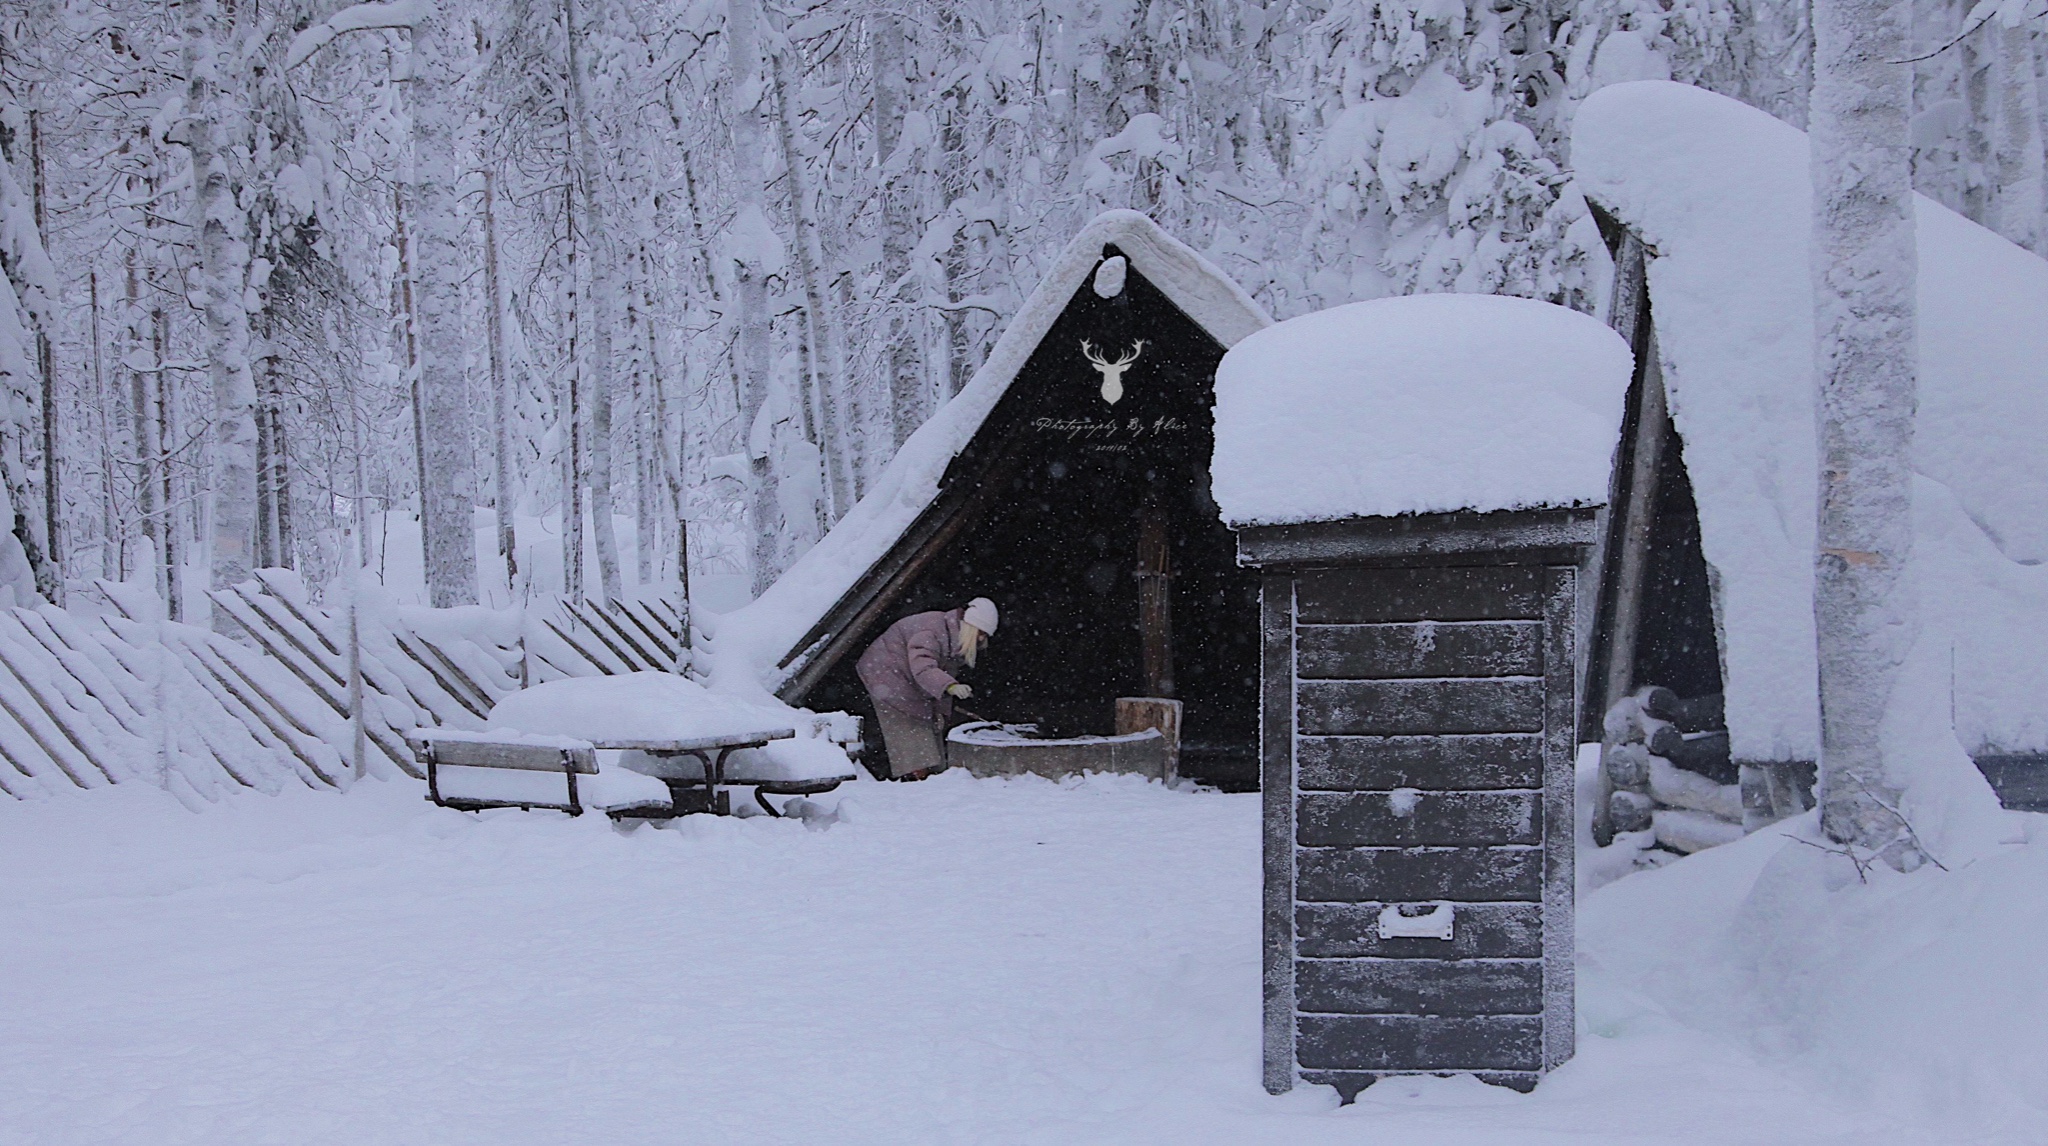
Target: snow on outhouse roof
x=750 y=644
x=1423 y=404
x=1720 y=194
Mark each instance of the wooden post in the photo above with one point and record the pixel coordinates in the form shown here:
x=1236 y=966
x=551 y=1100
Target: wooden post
x=1638 y=519
x=1138 y=713
x=1276 y=797
x=1155 y=597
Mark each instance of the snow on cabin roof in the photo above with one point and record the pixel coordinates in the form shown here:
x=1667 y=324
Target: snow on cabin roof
x=749 y=644
x=1720 y=193
x=1422 y=404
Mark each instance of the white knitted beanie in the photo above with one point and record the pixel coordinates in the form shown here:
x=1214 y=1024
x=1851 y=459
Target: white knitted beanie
x=981 y=613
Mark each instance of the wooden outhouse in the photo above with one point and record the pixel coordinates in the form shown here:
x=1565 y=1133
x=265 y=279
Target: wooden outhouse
x=1420 y=543
x=1417 y=758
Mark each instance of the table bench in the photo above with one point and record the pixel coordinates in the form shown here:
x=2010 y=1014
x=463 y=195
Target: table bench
x=696 y=789
x=435 y=749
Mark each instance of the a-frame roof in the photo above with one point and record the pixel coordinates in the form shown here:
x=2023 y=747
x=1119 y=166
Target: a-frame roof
x=768 y=643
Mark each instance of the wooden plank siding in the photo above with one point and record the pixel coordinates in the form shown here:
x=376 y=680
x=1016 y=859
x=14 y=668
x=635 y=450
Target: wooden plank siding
x=1419 y=722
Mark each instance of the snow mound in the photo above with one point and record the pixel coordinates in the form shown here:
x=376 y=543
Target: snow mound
x=1423 y=404
x=1916 y=997
x=1720 y=192
x=749 y=643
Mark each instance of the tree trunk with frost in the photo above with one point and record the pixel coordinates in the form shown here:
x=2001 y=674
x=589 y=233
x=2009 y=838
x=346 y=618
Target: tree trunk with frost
x=827 y=361
x=501 y=399
x=902 y=331
x=590 y=179
x=1864 y=270
x=751 y=266
x=26 y=295
x=2019 y=151
x=219 y=224
x=448 y=471
x=570 y=420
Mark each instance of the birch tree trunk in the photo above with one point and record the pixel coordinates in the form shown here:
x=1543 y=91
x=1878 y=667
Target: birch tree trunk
x=570 y=420
x=751 y=266
x=220 y=225
x=668 y=460
x=501 y=419
x=448 y=471
x=827 y=360
x=902 y=332
x=46 y=365
x=166 y=476
x=1864 y=269
x=589 y=179
x=1975 y=62
x=2019 y=151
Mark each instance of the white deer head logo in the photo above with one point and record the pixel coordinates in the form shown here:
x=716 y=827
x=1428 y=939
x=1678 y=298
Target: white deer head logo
x=1112 y=372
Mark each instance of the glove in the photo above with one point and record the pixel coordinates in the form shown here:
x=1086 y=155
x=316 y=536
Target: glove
x=959 y=691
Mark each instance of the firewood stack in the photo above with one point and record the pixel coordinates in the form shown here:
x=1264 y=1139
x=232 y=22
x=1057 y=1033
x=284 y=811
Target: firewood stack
x=1666 y=771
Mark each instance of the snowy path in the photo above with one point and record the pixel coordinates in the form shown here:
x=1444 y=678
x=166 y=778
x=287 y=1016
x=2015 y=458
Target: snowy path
x=968 y=961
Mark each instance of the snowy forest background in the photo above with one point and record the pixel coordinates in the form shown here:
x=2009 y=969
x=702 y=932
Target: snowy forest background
x=276 y=267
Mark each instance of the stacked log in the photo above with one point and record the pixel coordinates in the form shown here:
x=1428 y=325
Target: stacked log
x=1666 y=774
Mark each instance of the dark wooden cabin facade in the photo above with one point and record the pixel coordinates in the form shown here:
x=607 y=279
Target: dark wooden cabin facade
x=1088 y=520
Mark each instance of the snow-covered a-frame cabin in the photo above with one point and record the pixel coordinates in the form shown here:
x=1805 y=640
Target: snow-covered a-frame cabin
x=1067 y=481
x=1707 y=584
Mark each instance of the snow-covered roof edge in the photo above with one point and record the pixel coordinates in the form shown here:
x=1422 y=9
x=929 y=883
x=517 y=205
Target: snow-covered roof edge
x=748 y=644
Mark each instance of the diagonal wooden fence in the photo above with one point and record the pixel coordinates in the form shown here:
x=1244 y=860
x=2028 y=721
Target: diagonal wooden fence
x=87 y=701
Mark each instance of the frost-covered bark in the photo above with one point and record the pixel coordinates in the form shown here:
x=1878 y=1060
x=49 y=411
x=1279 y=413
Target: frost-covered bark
x=753 y=252
x=501 y=397
x=2019 y=150
x=603 y=307
x=828 y=363
x=1864 y=266
x=27 y=288
x=895 y=153
x=220 y=225
x=446 y=463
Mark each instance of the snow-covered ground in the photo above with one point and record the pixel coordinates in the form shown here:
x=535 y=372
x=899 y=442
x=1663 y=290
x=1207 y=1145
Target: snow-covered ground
x=964 y=961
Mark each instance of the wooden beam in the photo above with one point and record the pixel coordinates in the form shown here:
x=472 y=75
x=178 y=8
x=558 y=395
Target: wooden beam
x=1155 y=597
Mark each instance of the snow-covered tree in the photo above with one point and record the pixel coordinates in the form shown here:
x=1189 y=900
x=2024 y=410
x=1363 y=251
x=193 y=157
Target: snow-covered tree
x=1864 y=272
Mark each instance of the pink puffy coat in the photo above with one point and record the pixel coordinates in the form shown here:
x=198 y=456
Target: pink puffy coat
x=910 y=665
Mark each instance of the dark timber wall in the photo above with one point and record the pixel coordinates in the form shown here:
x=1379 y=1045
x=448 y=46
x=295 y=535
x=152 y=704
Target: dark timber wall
x=1417 y=739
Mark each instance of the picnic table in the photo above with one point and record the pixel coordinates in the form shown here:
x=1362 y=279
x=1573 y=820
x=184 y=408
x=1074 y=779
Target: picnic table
x=680 y=733
x=693 y=787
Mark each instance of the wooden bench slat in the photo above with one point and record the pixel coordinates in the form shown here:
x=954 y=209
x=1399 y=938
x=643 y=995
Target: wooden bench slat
x=463 y=753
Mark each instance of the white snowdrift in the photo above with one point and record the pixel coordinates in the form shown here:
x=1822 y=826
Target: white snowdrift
x=1916 y=997
x=1720 y=193
x=1428 y=403
x=749 y=643
x=965 y=961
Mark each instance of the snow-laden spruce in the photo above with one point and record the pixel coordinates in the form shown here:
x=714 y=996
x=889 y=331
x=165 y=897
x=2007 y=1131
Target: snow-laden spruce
x=1424 y=404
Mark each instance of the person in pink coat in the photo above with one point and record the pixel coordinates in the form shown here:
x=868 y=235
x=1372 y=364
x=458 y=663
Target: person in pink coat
x=910 y=672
